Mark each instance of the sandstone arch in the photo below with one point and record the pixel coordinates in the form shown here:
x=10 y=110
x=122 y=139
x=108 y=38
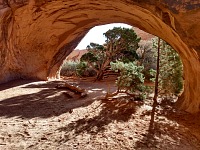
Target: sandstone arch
x=36 y=35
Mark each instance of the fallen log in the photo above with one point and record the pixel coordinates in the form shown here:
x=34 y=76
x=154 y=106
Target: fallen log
x=74 y=89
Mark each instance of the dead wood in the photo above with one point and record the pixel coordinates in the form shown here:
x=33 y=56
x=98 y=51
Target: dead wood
x=74 y=89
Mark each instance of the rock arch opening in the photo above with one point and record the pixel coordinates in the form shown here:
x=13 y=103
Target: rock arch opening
x=36 y=36
x=172 y=78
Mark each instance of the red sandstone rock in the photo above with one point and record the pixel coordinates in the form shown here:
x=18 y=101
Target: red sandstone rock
x=37 y=35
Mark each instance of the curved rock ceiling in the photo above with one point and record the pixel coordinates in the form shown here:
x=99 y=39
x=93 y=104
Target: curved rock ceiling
x=37 y=35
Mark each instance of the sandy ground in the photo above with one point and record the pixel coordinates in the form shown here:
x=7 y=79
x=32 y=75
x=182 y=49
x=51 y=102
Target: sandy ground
x=36 y=115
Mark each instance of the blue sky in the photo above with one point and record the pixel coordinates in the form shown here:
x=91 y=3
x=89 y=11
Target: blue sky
x=95 y=35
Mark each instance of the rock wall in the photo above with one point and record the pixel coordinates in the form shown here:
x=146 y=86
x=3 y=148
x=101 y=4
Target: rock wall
x=37 y=35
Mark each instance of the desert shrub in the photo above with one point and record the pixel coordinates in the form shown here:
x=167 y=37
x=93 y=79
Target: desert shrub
x=76 y=68
x=69 y=68
x=131 y=78
x=83 y=70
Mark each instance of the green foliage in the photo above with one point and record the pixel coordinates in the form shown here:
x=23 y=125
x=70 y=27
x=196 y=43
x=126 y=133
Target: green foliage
x=89 y=57
x=83 y=70
x=122 y=38
x=121 y=44
x=152 y=72
x=128 y=56
x=76 y=68
x=81 y=67
x=131 y=78
x=171 y=70
x=95 y=53
x=69 y=68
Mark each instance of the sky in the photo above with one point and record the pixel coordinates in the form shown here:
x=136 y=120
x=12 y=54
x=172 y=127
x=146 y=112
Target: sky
x=95 y=35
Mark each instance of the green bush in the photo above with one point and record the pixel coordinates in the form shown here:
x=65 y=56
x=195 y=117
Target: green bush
x=131 y=78
x=83 y=70
x=76 y=68
x=69 y=68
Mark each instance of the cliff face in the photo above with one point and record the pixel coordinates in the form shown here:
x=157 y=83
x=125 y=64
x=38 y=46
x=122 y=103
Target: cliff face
x=37 y=35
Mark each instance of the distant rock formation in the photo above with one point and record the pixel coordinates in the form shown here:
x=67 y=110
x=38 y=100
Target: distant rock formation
x=76 y=55
x=144 y=35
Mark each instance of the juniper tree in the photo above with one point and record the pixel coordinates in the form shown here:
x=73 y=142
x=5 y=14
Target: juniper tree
x=121 y=44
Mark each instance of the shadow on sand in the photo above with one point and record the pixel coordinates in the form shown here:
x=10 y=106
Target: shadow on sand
x=174 y=128
x=46 y=102
x=119 y=110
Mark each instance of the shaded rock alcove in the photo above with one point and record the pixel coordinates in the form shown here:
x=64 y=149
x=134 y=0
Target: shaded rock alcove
x=37 y=35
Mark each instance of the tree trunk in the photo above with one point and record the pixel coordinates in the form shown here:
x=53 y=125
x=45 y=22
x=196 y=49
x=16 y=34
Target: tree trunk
x=99 y=75
x=151 y=126
x=157 y=74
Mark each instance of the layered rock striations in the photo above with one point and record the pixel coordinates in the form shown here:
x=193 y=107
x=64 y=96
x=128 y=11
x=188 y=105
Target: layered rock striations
x=37 y=35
